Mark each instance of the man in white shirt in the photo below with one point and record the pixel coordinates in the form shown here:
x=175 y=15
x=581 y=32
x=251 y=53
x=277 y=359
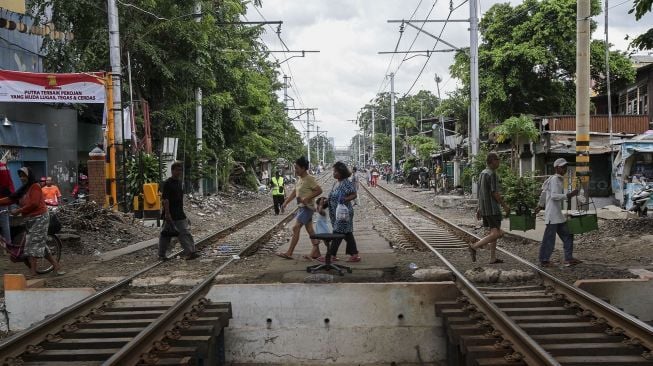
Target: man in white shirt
x=551 y=200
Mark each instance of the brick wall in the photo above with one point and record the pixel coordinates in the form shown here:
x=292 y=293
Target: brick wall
x=97 y=181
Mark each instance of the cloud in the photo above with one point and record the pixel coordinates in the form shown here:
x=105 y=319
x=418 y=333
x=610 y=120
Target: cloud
x=348 y=71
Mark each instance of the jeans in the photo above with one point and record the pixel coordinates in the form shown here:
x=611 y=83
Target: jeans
x=549 y=240
x=185 y=239
x=4 y=224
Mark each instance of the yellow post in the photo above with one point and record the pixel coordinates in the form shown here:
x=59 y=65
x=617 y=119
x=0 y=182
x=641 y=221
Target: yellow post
x=112 y=197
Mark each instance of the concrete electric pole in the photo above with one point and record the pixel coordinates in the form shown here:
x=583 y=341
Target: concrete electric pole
x=473 y=72
x=582 y=95
x=392 y=120
x=198 y=105
x=116 y=108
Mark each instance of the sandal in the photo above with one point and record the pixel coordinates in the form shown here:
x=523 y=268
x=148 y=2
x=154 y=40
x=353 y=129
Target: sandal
x=308 y=257
x=547 y=264
x=354 y=258
x=283 y=255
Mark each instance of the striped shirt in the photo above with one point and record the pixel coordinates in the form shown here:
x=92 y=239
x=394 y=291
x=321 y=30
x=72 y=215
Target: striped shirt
x=488 y=183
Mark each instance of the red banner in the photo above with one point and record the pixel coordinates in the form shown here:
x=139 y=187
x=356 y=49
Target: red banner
x=28 y=87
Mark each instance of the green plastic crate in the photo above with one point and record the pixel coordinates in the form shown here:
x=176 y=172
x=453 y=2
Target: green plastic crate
x=521 y=222
x=583 y=223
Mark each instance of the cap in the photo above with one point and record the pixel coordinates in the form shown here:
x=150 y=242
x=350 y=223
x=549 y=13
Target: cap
x=24 y=170
x=559 y=162
x=43 y=179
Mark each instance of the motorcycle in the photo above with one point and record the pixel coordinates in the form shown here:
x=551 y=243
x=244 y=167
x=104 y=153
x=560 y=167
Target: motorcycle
x=640 y=200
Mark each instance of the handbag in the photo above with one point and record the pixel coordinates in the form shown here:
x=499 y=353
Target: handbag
x=169 y=230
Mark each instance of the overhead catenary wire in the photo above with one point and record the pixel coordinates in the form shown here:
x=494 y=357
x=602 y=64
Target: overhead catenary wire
x=384 y=81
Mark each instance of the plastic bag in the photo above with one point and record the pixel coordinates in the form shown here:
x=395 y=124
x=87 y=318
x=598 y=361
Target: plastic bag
x=342 y=212
x=169 y=230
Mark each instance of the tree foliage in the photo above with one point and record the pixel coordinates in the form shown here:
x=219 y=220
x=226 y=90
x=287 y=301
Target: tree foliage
x=527 y=60
x=170 y=59
x=645 y=40
x=518 y=130
x=425 y=146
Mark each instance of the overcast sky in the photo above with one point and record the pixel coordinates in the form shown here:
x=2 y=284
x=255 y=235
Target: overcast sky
x=348 y=71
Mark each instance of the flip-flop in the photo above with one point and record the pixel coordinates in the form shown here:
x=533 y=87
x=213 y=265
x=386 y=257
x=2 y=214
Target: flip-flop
x=284 y=255
x=309 y=258
x=354 y=259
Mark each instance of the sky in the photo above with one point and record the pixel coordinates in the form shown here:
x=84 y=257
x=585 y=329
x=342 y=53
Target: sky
x=348 y=71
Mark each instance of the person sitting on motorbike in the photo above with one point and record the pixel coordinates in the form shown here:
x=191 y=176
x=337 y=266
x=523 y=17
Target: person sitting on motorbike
x=51 y=193
x=32 y=206
x=81 y=188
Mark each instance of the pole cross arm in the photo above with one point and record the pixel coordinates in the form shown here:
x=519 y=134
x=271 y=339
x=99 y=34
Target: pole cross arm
x=434 y=36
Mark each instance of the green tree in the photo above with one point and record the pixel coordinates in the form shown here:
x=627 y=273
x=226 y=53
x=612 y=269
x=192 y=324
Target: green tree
x=518 y=130
x=645 y=40
x=170 y=59
x=527 y=61
x=425 y=146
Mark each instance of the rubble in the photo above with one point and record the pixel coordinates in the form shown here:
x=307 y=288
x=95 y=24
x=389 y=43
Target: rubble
x=612 y=212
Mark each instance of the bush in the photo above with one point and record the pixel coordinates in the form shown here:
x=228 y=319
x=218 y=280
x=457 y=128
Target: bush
x=520 y=193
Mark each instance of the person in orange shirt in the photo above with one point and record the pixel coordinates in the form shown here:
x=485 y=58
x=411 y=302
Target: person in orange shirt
x=32 y=207
x=51 y=193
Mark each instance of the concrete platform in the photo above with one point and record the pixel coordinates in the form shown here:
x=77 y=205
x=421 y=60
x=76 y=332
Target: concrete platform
x=378 y=257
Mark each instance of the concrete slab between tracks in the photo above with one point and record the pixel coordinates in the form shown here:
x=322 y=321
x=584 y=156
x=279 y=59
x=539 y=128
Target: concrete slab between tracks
x=335 y=324
x=25 y=306
x=631 y=294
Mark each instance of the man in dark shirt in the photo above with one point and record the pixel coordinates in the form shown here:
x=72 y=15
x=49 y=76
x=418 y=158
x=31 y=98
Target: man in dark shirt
x=172 y=198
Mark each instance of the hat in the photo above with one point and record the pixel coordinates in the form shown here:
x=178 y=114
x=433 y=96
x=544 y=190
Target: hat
x=43 y=179
x=559 y=162
x=25 y=170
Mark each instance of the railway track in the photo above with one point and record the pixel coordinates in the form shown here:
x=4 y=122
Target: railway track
x=122 y=326
x=551 y=323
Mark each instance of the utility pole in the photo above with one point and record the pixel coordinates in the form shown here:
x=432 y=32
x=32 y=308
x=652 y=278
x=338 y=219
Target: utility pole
x=373 y=137
x=116 y=108
x=392 y=119
x=607 y=79
x=473 y=72
x=582 y=94
x=444 y=140
x=317 y=145
x=198 y=105
x=308 y=136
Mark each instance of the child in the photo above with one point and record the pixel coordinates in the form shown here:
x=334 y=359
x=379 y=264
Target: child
x=323 y=225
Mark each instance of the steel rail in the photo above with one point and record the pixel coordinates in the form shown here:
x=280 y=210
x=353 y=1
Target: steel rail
x=532 y=352
x=16 y=344
x=632 y=327
x=131 y=353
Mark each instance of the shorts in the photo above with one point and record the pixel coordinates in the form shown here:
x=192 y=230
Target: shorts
x=304 y=215
x=492 y=221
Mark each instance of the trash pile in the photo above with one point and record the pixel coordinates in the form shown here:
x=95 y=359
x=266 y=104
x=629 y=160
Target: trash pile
x=87 y=216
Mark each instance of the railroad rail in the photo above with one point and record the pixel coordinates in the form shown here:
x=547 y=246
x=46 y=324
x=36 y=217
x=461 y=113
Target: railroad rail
x=549 y=324
x=119 y=327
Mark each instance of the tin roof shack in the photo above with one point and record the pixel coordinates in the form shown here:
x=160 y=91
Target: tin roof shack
x=562 y=144
x=632 y=167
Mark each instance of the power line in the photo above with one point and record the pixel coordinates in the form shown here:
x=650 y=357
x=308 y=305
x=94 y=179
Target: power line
x=384 y=81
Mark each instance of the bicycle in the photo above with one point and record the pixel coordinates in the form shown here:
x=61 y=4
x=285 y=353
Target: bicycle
x=16 y=253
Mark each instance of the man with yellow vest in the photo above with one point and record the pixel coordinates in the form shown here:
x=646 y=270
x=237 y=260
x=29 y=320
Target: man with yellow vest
x=278 y=192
